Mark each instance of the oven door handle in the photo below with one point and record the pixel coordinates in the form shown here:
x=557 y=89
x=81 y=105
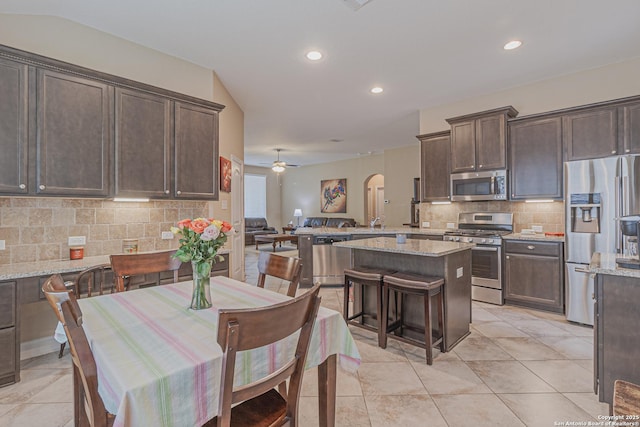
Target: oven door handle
x=485 y=248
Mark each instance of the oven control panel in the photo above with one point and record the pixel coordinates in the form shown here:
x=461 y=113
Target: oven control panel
x=477 y=240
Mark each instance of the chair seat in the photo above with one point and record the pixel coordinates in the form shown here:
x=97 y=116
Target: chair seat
x=413 y=282
x=265 y=410
x=364 y=273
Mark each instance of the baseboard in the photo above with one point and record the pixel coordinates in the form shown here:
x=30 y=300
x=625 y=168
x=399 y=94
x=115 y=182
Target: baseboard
x=38 y=347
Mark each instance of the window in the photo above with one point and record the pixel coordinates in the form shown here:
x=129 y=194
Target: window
x=255 y=196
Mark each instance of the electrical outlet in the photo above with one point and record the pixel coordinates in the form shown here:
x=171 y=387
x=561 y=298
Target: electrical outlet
x=2 y=247
x=77 y=240
x=167 y=235
x=459 y=272
x=537 y=228
x=426 y=224
x=451 y=225
x=386 y=202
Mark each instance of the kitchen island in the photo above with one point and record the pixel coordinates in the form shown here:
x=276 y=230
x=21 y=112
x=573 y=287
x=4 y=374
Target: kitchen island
x=449 y=260
x=616 y=320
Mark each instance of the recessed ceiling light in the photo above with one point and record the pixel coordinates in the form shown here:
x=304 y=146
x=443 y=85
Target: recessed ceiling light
x=513 y=44
x=376 y=89
x=314 y=55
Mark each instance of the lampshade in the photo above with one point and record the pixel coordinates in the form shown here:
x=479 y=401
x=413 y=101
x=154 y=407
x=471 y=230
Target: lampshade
x=297 y=212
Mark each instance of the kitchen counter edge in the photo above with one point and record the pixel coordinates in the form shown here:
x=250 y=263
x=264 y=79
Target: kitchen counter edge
x=430 y=248
x=605 y=263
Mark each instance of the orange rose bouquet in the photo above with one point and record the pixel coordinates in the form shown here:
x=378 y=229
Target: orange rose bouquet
x=200 y=240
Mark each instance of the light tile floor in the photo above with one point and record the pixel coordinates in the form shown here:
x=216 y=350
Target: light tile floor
x=518 y=367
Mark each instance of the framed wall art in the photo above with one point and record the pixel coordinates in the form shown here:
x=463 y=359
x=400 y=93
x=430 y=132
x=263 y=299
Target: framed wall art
x=333 y=195
x=225 y=175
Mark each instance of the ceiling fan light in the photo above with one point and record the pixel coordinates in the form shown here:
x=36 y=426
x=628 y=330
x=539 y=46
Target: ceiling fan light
x=277 y=168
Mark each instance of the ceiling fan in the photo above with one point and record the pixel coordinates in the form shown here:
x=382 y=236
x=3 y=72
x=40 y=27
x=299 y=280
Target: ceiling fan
x=280 y=165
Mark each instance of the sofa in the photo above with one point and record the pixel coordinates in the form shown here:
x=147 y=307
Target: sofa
x=254 y=227
x=321 y=221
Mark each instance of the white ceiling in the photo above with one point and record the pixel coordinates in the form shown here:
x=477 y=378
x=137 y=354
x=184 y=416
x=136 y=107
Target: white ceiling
x=423 y=52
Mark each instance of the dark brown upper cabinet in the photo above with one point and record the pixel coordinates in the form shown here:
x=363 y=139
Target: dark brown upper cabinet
x=629 y=119
x=196 y=147
x=73 y=140
x=479 y=141
x=67 y=130
x=435 y=150
x=535 y=158
x=13 y=127
x=143 y=145
x=591 y=133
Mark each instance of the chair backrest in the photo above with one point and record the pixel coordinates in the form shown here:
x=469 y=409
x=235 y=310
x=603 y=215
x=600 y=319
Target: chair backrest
x=626 y=398
x=143 y=263
x=245 y=329
x=89 y=406
x=282 y=267
x=93 y=279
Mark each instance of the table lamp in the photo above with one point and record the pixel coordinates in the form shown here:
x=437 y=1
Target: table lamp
x=297 y=213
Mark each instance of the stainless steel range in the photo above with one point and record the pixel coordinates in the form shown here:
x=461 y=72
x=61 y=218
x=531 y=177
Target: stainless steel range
x=485 y=229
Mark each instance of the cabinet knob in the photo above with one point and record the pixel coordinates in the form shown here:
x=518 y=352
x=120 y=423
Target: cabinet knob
x=41 y=187
x=22 y=186
x=479 y=166
x=166 y=191
x=178 y=192
x=531 y=247
x=613 y=151
x=627 y=151
x=507 y=257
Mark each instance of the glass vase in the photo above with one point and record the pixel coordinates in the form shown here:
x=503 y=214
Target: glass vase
x=201 y=297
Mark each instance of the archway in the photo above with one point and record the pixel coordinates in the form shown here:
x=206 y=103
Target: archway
x=374 y=198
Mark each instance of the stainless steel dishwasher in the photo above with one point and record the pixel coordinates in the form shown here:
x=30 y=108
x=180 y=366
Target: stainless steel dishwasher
x=329 y=261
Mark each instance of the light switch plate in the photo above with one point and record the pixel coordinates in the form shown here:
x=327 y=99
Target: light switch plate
x=77 y=240
x=225 y=205
x=2 y=247
x=451 y=225
x=459 y=272
x=167 y=235
x=426 y=224
x=537 y=228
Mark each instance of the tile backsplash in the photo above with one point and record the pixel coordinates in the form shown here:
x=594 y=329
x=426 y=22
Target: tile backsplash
x=550 y=216
x=37 y=229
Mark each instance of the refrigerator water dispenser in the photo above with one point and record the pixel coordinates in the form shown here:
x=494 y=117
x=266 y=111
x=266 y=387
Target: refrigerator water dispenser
x=585 y=213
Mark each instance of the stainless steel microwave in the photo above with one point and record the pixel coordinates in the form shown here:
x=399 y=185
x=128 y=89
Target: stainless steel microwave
x=475 y=186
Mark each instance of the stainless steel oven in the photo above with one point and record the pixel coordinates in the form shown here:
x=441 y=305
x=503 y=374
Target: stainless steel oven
x=486 y=231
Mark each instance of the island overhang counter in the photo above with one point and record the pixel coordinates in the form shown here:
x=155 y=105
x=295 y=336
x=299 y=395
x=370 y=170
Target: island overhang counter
x=451 y=261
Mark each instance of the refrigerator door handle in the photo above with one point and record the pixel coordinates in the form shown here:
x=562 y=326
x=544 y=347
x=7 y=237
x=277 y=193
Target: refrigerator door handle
x=618 y=213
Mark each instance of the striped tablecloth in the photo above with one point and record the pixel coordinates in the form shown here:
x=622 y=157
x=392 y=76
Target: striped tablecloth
x=159 y=363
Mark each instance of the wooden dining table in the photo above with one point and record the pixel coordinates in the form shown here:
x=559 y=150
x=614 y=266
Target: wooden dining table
x=159 y=362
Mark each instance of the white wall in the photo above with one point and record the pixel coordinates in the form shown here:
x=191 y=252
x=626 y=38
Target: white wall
x=599 y=84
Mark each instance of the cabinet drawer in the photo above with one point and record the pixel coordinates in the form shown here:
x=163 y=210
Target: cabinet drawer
x=533 y=247
x=7 y=354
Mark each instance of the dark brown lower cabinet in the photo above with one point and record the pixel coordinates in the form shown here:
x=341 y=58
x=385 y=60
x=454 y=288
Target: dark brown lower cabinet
x=533 y=274
x=305 y=251
x=9 y=344
x=617 y=336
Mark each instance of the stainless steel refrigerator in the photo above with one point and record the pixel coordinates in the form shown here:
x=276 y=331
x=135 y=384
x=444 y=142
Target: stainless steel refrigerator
x=597 y=192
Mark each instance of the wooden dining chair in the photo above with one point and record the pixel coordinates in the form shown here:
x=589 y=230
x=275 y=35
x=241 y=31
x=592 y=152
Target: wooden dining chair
x=626 y=398
x=88 y=405
x=89 y=282
x=127 y=265
x=245 y=329
x=282 y=267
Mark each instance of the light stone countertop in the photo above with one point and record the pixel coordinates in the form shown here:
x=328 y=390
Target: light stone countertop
x=605 y=263
x=431 y=248
x=537 y=236
x=45 y=268
x=367 y=230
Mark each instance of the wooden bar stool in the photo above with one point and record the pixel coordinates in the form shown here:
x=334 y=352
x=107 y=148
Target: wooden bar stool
x=364 y=276
x=412 y=284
